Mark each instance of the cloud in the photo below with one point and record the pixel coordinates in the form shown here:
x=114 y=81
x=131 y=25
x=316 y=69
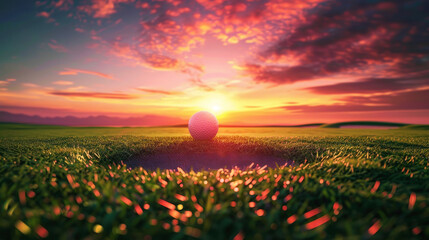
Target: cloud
x=60 y=4
x=160 y=62
x=102 y=8
x=352 y=38
x=200 y=84
x=280 y=74
x=4 y=83
x=182 y=26
x=54 y=45
x=170 y=29
x=152 y=60
x=74 y=71
x=92 y=95
x=289 y=41
x=412 y=100
x=63 y=83
x=156 y=91
x=30 y=85
x=373 y=85
x=157 y=61
x=43 y=14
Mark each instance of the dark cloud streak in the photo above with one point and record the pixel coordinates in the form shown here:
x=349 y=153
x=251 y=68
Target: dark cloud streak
x=92 y=95
x=413 y=100
x=373 y=85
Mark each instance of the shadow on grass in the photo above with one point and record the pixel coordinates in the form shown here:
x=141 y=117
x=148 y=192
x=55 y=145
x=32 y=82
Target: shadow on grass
x=222 y=152
x=204 y=161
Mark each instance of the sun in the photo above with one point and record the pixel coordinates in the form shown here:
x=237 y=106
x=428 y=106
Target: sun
x=216 y=109
x=217 y=104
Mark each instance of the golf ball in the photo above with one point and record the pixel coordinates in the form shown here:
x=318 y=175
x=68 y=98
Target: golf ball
x=203 y=125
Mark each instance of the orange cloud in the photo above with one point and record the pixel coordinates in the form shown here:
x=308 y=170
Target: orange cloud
x=161 y=62
x=73 y=71
x=63 y=83
x=177 y=12
x=156 y=91
x=92 y=95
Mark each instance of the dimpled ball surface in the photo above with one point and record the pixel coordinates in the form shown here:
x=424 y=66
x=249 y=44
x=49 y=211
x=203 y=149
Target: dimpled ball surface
x=203 y=126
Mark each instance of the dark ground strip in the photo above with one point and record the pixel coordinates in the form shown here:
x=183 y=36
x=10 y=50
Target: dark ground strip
x=200 y=161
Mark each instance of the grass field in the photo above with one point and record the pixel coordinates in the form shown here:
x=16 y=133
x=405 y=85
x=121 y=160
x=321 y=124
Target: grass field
x=70 y=183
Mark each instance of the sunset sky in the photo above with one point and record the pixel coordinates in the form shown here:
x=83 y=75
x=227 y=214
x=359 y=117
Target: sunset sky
x=248 y=61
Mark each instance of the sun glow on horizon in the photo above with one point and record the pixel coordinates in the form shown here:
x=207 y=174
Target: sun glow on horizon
x=216 y=108
x=218 y=104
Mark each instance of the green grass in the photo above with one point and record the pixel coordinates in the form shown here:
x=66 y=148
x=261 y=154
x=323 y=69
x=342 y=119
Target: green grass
x=46 y=131
x=365 y=123
x=69 y=183
x=417 y=127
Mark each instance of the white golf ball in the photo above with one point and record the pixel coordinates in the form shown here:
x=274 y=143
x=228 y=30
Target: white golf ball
x=203 y=125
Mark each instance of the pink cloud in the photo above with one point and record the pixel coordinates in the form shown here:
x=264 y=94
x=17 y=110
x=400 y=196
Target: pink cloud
x=102 y=8
x=62 y=4
x=54 y=45
x=43 y=14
